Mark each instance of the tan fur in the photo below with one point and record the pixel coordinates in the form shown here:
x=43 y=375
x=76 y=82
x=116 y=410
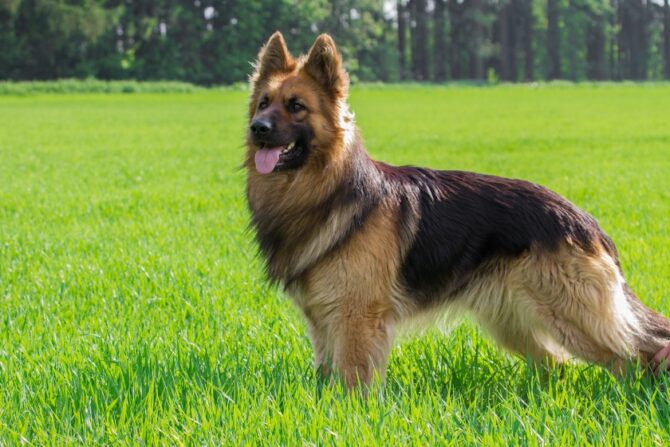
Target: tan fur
x=550 y=307
x=567 y=304
x=347 y=301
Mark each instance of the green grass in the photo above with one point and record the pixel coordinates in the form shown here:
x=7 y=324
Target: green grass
x=133 y=309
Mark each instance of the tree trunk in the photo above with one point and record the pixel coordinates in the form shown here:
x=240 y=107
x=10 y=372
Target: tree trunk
x=421 y=31
x=513 y=38
x=621 y=43
x=527 y=36
x=440 y=41
x=634 y=38
x=402 y=44
x=505 y=50
x=666 y=37
x=414 y=38
x=627 y=36
x=553 y=40
x=643 y=44
x=477 y=61
x=456 y=47
x=572 y=39
x=411 y=9
x=612 y=42
x=595 y=49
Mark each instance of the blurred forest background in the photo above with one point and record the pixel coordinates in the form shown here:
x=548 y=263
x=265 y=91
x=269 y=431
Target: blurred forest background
x=213 y=41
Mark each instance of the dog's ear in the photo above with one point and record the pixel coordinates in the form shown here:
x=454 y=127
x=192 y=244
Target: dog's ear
x=324 y=64
x=273 y=57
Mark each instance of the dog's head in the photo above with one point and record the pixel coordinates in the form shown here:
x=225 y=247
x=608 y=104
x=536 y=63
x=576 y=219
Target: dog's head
x=297 y=110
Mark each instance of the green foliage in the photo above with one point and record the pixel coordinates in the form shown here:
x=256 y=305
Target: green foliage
x=214 y=42
x=134 y=311
x=50 y=38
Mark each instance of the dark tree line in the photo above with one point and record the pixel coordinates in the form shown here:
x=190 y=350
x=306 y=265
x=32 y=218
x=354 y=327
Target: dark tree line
x=213 y=41
x=523 y=40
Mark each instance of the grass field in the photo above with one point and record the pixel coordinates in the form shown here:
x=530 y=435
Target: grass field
x=133 y=309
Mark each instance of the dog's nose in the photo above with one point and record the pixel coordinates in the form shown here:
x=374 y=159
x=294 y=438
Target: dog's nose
x=261 y=126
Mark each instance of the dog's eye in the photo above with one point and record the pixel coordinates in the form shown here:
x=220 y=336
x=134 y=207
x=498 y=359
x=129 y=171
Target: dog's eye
x=295 y=107
x=263 y=104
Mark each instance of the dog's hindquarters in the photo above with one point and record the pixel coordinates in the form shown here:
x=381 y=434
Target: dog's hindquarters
x=569 y=300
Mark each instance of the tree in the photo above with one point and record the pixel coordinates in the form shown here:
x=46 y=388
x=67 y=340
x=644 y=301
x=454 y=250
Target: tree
x=9 y=55
x=52 y=38
x=595 y=43
x=440 y=41
x=402 y=33
x=572 y=39
x=214 y=41
x=363 y=34
x=418 y=20
x=553 y=40
x=527 y=35
x=614 y=42
x=456 y=40
x=666 y=37
x=478 y=23
x=633 y=39
x=507 y=40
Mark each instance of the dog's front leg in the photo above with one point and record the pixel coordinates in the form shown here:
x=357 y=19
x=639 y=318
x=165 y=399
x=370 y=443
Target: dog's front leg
x=319 y=337
x=361 y=347
x=347 y=297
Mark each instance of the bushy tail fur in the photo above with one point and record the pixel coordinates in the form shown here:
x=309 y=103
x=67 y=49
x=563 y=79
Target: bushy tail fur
x=654 y=331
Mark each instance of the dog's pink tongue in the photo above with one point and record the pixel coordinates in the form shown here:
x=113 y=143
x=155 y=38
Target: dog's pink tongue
x=266 y=159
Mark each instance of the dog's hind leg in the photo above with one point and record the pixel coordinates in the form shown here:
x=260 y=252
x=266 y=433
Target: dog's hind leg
x=532 y=344
x=585 y=302
x=499 y=302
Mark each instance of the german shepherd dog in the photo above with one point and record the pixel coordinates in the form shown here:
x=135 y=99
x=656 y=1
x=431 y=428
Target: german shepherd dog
x=362 y=246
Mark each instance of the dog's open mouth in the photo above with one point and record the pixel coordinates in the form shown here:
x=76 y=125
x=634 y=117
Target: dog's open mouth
x=269 y=159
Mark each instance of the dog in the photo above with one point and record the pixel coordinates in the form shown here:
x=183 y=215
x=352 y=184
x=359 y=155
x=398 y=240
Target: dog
x=362 y=246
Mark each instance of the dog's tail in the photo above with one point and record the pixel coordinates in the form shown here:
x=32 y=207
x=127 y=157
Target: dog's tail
x=654 y=330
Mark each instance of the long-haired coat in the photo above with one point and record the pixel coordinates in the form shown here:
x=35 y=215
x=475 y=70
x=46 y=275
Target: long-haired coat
x=362 y=246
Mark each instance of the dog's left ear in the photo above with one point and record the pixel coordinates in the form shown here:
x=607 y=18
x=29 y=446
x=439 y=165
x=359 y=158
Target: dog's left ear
x=324 y=64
